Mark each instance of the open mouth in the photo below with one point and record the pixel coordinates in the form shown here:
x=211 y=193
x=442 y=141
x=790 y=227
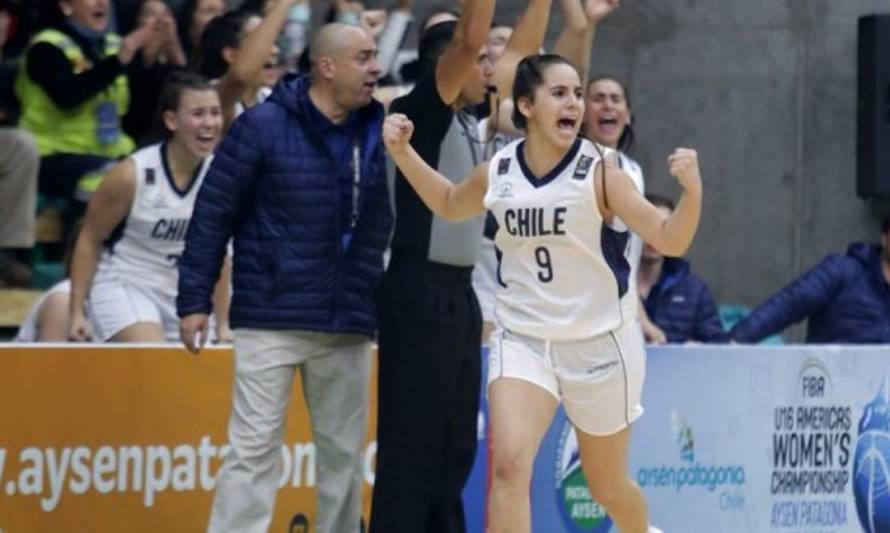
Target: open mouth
x=206 y=138
x=566 y=124
x=99 y=15
x=607 y=125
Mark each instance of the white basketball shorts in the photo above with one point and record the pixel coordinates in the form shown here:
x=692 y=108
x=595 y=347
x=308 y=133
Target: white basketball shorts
x=598 y=380
x=114 y=304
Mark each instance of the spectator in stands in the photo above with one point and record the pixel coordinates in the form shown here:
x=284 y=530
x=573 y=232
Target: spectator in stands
x=124 y=270
x=846 y=299
x=410 y=71
x=74 y=91
x=19 y=162
x=677 y=301
x=149 y=68
x=299 y=182
x=191 y=20
x=430 y=323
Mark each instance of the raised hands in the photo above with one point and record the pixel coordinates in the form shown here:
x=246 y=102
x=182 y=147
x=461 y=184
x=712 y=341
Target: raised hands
x=136 y=39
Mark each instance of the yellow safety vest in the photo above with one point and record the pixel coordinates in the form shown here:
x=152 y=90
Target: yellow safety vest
x=74 y=131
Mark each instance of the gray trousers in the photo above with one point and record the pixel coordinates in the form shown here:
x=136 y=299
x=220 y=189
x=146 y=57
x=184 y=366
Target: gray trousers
x=19 y=162
x=335 y=370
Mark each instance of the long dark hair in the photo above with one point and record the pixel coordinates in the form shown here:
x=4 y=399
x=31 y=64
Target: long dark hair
x=627 y=136
x=224 y=31
x=530 y=76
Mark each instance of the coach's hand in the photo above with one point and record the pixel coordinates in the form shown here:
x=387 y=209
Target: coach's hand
x=193 y=331
x=683 y=164
x=397 y=130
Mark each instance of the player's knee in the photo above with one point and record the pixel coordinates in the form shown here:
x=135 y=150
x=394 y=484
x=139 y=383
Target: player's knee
x=510 y=466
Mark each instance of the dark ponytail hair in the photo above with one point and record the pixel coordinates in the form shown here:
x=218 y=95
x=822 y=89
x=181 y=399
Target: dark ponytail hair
x=224 y=31
x=530 y=76
x=627 y=136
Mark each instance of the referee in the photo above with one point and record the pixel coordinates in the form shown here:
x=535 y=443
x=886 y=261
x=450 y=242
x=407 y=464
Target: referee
x=429 y=319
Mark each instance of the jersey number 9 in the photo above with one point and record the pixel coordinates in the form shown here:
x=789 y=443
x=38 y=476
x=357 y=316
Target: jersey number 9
x=542 y=256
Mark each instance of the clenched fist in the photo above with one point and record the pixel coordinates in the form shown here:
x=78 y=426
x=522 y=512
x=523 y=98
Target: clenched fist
x=683 y=165
x=397 y=130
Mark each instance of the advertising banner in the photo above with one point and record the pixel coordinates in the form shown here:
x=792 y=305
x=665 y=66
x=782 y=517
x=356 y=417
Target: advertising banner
x=120 y=439
x=733 y=439
x=744 y=439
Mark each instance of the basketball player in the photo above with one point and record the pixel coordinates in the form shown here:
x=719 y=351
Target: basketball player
x=575 y=43
x=565 y=329
x=137 y=222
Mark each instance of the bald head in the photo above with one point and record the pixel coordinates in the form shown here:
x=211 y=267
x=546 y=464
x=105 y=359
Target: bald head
x=334 y=39
x=344 y=65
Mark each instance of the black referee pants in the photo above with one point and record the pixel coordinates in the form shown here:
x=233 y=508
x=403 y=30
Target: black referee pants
x=428 y=403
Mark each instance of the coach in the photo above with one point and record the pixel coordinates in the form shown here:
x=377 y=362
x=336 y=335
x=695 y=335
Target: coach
x=300 y=183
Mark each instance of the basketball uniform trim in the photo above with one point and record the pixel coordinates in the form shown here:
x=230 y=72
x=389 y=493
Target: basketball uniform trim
x=624 y=374
x=166 y=164
x=554 y=173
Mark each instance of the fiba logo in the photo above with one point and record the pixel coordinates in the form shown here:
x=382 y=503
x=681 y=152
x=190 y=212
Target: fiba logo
x=580 y=513
x=871 y=464
x=814 y=381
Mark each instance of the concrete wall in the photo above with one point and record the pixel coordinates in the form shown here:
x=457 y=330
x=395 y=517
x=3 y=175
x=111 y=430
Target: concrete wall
x=766 y=91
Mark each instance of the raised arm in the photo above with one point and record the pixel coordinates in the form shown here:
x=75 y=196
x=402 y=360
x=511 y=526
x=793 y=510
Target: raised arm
x=671 y=235
x=470 y=36
x=575 y=42
x=252 y=55
x=445 y=199
x=527 y=39
x=108 y=207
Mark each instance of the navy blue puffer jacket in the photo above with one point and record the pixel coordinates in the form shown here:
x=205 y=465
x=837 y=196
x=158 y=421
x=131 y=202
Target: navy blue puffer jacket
x=681 y=305
x=273 y=186
x=845 y=297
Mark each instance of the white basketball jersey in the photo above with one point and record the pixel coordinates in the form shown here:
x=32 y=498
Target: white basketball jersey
x=563 y=271
x=145 y=250
x=635 y=244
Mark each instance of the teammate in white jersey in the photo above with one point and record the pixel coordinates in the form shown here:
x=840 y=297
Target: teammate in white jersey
x=607 y=121
x=137 y=221
x=563 y=330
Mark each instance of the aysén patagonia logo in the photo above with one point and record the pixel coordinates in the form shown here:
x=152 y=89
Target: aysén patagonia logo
x=580 y=512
